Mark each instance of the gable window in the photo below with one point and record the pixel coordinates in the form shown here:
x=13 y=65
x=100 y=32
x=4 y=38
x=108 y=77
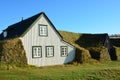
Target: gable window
x=43 y=31
x=4 y=33
x=49 y=51
x=64 y=51
x=36 y=51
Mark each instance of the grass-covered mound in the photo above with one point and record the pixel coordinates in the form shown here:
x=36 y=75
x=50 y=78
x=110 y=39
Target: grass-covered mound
x=12 y=52
x=99 y=53
x=117 y=49
x=116 y=43
x=88 y=45
x=95 y=43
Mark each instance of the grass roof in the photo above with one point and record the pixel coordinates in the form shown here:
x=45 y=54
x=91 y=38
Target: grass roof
x=115 y=42
x=12 y=52
x=71 y=38
x=84 y=41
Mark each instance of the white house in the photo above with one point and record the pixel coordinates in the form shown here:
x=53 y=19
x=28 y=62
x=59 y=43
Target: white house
x=42 y=42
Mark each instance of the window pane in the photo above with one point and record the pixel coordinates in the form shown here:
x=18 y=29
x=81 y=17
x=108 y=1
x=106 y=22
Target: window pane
x=50 y=51
x=64 y=51
x=43 y=30
x=37 y=51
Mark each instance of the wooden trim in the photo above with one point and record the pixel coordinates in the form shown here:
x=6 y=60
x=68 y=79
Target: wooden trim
x=32 y=52
x=46 y=51
x=61 y=51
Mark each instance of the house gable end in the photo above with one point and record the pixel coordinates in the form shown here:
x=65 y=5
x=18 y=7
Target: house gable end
x=48 y=21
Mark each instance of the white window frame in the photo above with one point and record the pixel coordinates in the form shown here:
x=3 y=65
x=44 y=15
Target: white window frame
x=36 y=51
x=64 y=51
x=49 y=51
x=4 y=33
x=43 y=30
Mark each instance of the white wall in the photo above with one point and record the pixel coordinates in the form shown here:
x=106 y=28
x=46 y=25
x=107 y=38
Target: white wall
x=32 y=38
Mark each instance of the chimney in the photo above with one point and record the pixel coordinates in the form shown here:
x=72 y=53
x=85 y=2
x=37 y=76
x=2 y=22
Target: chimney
x=22 y=19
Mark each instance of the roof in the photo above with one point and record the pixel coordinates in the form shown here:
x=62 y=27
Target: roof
x=92 y=40
x=18 y=29
x=84 y=40
x=115 y=42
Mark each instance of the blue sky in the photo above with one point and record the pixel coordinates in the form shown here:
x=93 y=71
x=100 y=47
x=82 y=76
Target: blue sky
x=83 y=16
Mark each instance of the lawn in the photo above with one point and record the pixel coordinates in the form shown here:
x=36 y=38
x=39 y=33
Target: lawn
x=96 y=71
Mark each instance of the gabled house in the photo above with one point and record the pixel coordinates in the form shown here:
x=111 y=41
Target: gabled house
x=42 y=42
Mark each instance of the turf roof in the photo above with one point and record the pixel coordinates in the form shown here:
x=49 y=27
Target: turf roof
x=115 y=42
x=84 y=40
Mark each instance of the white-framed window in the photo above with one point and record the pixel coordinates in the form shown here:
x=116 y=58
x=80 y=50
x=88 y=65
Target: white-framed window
x=4 y=33
x=49 y=51
x=64 y=51
x=43 y=31
x=36 y=51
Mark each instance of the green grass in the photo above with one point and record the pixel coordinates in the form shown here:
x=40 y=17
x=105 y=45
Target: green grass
x=95 y=71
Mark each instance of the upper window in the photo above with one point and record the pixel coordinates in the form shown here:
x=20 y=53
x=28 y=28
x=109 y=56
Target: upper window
x=64 y=50
x=43 y=31
x=4 y=34
x=36 y=51
x=49 y=51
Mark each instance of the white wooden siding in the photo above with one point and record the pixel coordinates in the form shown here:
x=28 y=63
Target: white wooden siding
x=32 y=38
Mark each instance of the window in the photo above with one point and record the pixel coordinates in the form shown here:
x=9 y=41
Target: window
x=64 y=50
x=49 y=51
x=4 y=33
x=36 y=51
x=43 y=30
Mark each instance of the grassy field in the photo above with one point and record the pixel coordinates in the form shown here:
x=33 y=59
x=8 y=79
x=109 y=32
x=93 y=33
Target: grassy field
x=105 y=70
x=96 y=71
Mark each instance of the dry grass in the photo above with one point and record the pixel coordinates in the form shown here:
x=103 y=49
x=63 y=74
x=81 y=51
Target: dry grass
x=118 y=52
x=12 y=52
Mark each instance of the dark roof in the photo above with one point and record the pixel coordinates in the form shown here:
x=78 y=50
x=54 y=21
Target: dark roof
x=115 y=42
x=17 y=29
x=92 y=40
